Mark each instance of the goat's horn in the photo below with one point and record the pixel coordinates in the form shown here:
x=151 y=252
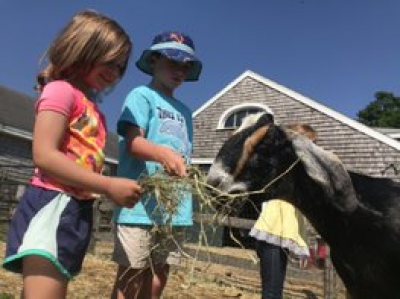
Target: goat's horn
x=249 y=146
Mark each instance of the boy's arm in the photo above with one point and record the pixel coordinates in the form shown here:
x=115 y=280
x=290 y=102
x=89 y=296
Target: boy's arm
x=49 y=131
x=143 y=149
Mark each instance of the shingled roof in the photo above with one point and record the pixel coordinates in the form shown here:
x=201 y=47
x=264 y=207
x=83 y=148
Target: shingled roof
x=17 y=118
x=16 y=110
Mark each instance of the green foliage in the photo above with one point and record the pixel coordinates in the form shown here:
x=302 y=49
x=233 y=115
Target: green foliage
x=384 y=111
x=6 y=296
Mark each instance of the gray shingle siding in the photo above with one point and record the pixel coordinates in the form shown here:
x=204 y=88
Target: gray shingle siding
x=17 y=110
x=15 y=159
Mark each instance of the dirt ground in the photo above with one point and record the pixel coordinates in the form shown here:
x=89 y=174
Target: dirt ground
x=187 y=280
x=97 y=278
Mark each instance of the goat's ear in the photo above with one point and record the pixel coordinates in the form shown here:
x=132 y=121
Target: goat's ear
x=327 y=170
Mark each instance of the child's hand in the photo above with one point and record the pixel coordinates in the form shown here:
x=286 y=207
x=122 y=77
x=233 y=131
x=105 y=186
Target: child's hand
x=173 y=163
x=124 y=192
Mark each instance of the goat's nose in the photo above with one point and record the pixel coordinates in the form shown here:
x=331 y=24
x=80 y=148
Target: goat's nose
x=213 y=180
x=215 y=175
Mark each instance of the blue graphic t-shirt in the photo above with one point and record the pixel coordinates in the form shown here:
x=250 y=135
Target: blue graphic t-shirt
x=167 y=122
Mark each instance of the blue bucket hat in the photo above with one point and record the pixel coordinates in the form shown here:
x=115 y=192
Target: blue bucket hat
x=175 y=46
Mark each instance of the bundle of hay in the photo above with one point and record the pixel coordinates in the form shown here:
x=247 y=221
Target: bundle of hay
x=168 y=190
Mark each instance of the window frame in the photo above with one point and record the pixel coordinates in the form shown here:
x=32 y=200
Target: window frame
x=236 y=109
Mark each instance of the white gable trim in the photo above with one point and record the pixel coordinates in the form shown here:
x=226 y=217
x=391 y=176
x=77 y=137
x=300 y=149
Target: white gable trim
x=227 y=113
x=16 y=132
x=202 y=161
x=111 y=160
x=307 y=101
x=219 y=94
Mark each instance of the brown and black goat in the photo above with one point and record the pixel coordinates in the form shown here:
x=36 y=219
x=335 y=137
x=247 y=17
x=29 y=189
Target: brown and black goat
x=358 y=216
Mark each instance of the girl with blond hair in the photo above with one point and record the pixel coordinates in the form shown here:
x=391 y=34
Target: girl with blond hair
x=51 y=228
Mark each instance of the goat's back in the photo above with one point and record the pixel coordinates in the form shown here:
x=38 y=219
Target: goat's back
x=381 y=194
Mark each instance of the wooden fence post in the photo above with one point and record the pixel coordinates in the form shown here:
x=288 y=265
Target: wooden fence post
x=329 y=280
x=96 y=227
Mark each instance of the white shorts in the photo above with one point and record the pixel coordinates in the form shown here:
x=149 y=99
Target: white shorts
x=139 y=247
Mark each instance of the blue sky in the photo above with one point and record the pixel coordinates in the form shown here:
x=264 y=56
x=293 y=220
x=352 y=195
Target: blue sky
x=337 y=52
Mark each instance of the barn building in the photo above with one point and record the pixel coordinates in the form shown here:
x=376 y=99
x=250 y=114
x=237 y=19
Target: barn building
x=371 y=151
x=362 y=149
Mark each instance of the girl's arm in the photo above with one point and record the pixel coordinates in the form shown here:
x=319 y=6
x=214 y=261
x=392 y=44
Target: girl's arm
x=48 y=136
x=143 y=149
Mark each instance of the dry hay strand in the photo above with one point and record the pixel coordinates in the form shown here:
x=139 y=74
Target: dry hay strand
x=168 y=191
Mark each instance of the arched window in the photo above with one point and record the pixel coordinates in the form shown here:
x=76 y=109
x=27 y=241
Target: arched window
x=233 y=117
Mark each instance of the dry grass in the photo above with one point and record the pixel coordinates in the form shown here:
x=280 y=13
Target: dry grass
x=95 y=281
x=188 y=281
x=97 y=278
x=167 y=191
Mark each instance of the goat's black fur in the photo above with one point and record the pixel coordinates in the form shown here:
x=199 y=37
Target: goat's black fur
x=358 y=216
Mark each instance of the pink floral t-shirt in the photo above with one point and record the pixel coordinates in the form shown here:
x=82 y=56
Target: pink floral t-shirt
x=85 y=137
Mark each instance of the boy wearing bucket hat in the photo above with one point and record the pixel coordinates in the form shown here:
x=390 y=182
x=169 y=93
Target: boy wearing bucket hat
x=156 y=131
